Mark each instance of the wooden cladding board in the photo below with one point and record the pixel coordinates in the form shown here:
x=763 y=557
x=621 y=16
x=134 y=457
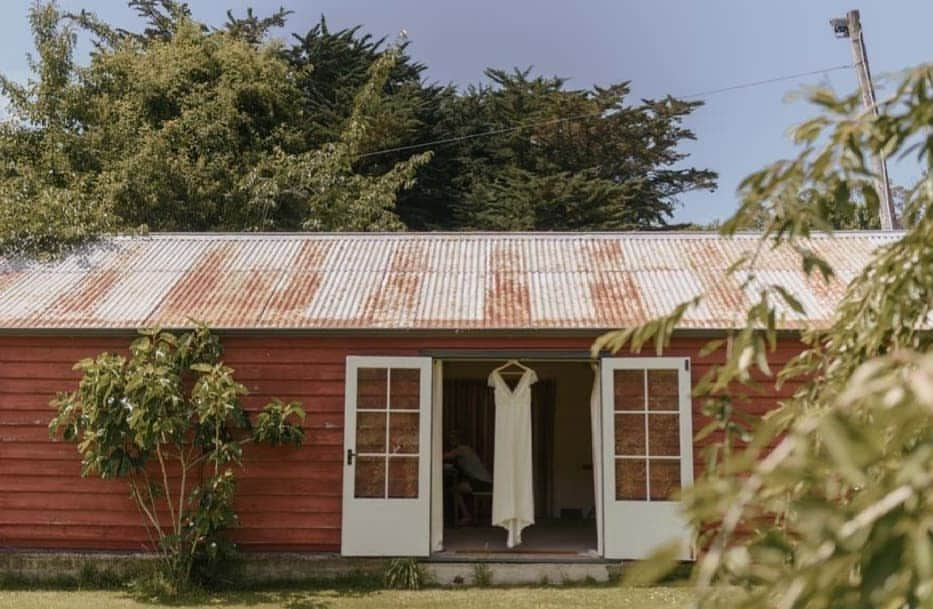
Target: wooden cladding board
x=289 y=499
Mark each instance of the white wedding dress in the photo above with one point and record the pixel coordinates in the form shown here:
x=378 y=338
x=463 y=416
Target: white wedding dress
x=513 y=505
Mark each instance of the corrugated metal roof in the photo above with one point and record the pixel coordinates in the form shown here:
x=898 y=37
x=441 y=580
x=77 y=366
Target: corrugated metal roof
x=451 y=281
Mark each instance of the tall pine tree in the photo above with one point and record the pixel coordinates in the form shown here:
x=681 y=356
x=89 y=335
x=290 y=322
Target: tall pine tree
x=587 y=161
x=333 y=67
x=581 y=159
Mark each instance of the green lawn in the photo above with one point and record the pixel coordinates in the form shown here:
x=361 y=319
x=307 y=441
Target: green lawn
x=512 y=598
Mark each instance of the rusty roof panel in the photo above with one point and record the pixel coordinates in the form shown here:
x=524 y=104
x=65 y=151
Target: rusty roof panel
x=449 y=281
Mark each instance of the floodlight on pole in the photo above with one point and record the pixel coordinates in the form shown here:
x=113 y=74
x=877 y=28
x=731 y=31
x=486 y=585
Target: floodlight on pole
x=840 y=27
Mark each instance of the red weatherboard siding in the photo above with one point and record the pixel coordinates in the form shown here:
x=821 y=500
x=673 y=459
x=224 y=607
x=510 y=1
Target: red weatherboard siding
x=288 y=499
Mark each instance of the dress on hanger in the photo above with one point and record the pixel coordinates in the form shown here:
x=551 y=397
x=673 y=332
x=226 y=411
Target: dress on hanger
x=513 y=505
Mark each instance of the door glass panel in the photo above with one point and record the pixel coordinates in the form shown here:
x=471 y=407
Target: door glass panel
x=663 y=390
x=629 y=389
x=403 y=477
x=405 y=389
x=370 y=432
x=664 y=435
x=665 y=478
x=403 y=432
x=630 y=434
x=631 y=480
x=647 y=426
x=370 y=476
x=371 y=388
x=388 y=425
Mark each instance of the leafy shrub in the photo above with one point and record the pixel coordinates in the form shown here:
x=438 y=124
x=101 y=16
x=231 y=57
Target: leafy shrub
x=168 y=419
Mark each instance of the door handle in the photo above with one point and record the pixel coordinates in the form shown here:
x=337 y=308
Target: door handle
x=350 y=455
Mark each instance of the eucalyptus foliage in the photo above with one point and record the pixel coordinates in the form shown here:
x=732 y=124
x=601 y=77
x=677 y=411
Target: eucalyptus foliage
x=826 y=502
x=168 y=418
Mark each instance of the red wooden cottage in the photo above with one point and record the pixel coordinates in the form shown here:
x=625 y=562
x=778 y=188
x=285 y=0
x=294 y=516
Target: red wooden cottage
x=388 y=341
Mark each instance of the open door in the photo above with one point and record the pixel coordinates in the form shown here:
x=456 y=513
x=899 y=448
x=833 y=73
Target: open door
x=647 y=454
x=387 y=460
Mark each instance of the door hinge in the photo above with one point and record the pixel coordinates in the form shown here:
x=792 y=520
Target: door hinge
x=687 y=365
x=350 y=455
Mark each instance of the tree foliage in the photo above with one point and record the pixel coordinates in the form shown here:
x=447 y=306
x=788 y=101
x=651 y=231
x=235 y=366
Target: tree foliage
x=826 y=502
x=169 y=420
x=333 y=67
x=588 y=160
x=47 y=202
x=579 y=159
x=186 y=127
x=181 y=128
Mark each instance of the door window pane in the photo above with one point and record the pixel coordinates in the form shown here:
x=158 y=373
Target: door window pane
x=403 y=477
x=405 y=389
x=630 y=434
x=371 y=388
x=629 y=389
x=646 y=425
x=388 y=425
x=663 y=390
x=370 y=432
x=370 y=479
x=664 y=435
x=631 y=480
x=403 y=432
x=665 y=478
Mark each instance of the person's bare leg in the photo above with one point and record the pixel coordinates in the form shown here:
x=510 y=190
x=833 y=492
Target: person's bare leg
x=460 y=503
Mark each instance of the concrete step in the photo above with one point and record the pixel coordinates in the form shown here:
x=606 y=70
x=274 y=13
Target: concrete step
x=453 y=573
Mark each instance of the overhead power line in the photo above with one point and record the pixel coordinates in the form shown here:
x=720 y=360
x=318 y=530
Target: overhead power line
x=460 y=138
x=567 y=119
x=767 y=81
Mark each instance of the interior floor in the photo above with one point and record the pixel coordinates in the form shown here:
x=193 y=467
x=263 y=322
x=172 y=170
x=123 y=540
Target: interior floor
x=552 y=537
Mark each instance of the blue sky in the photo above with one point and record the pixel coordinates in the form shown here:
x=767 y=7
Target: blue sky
x=663 y=46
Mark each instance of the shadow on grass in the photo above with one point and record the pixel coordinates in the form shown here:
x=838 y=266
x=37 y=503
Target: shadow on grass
x=301 y=594
x=287 y=599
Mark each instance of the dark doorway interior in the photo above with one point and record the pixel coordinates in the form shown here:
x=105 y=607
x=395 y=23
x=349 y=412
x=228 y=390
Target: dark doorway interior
x=561 y=461
x=470 y=413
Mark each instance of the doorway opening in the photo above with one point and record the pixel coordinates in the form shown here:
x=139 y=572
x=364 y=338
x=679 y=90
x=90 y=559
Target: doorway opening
x=562 y=462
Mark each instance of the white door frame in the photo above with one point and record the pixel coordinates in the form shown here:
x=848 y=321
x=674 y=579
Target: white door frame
x=632 y=529
x=437 y=458
x=386 y=526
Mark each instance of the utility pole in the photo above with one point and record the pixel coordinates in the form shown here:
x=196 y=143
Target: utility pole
x=851 y=27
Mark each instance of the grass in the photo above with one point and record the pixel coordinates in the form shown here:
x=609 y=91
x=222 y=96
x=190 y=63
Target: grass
x=514 y=598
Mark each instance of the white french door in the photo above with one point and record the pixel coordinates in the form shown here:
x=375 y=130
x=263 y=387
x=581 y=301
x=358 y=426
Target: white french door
x=647 y=454
x=387 y=457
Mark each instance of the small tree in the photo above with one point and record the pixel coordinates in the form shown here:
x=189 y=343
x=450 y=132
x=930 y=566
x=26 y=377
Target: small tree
x=169 y=420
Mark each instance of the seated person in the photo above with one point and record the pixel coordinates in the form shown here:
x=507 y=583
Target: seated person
x=470 y=475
